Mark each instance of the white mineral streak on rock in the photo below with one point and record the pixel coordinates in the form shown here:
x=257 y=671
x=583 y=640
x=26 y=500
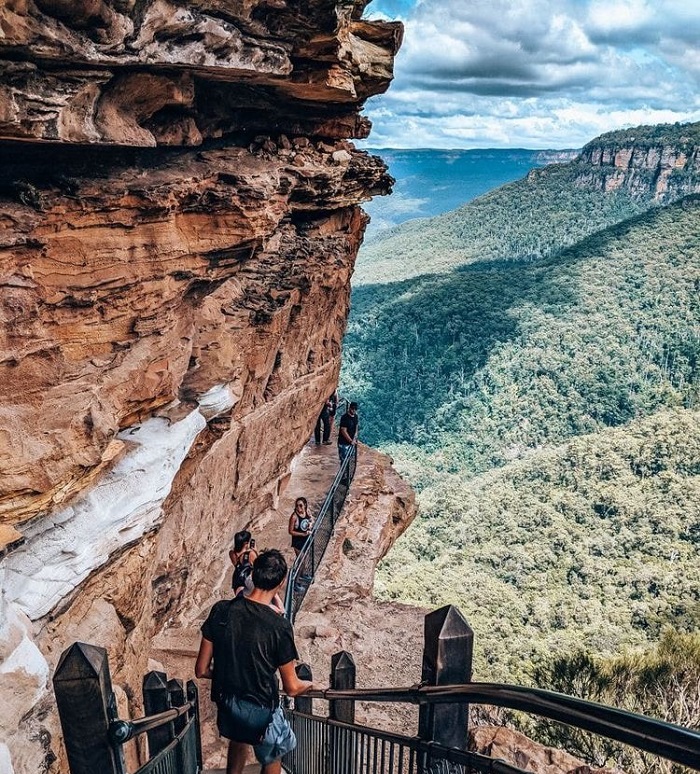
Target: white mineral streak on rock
x=5 y=761
x=23 y=674
x=62 y=549
x=217 y=400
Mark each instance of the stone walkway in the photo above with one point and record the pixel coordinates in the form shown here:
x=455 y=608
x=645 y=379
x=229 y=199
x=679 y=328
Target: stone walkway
x=251 y=768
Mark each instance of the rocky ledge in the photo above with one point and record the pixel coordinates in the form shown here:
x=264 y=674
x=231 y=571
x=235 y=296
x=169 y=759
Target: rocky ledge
x=169 y=72
x=179 y=220
x=340 y=612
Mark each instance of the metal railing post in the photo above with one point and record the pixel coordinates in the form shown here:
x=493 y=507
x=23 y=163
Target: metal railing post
x=342 y=677
x=86 y=706
x=341 y=744
x=193 y=696
x=447 y=660
x=156 y=698
x=176 y=691
x=303 y=703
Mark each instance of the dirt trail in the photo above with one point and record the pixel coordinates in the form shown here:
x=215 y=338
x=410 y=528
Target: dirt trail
x=313 y=471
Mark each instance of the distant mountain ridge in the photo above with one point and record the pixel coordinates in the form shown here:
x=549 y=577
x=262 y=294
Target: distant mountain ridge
x=431 y=181
x=616 y=176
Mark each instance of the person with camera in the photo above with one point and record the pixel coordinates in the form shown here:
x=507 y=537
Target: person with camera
x=300 y=524
x=242 y=556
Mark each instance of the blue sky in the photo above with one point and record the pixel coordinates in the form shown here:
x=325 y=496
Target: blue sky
x=535 y=73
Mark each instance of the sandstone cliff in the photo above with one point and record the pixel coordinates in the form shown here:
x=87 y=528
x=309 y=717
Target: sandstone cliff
x=172 y=315
x=663 y=161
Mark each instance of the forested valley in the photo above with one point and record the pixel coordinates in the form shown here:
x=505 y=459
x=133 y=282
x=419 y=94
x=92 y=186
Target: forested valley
x=553 y=207
x=532 y=363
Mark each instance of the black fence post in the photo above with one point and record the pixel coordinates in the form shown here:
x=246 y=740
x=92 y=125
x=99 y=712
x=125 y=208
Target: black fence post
x=447 y=660
x=176 y=691
x=86 y=705
x=342 y=677
x=303 y=703
x=157 y=699
x=341 y=743
x=193 y=696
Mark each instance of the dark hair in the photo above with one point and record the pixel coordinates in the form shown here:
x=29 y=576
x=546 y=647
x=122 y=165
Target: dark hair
x=353 y=405
x=269 y=570
x=301 y=500
x=240 y=539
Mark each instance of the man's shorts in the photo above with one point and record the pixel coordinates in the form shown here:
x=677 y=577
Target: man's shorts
x=266 y=730
x=279 y=739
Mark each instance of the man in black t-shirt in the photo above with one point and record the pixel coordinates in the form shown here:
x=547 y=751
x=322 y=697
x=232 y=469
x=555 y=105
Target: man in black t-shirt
x=347 y=432
x=244 y=644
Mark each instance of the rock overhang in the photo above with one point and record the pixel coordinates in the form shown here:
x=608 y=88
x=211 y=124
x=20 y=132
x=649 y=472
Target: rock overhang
x=175 y=73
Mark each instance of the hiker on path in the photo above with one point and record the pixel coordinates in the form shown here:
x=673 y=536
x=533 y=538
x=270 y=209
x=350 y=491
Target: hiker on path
x=300 y=524
x=242 y=556
x=325 y=420
x=333 y=404
x=244 y=644
x=347 y=433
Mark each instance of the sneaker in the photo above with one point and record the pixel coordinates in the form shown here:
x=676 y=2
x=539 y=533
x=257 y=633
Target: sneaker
x=327 y=443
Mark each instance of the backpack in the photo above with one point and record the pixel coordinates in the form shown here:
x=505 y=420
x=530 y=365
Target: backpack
x=243 y=572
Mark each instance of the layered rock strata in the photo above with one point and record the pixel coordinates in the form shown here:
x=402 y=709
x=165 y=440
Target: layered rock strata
x=668 y=171
x=172 y=315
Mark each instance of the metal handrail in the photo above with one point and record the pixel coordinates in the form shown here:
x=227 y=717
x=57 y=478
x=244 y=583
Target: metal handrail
x=676 y=743
x=121 y=731
x=477 y=761
x=302 y=559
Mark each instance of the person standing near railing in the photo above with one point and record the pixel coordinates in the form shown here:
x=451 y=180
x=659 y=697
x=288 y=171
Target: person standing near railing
x=333 y=406
x=325 y=420
x=244 y=644
x=300 y=524
x=347 y=432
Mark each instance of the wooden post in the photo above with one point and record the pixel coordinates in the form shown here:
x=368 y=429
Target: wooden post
x=157 y=699
x=341 y=744
x=303 y=703
x=447 y=660
x=86 y=705
x=193 y=696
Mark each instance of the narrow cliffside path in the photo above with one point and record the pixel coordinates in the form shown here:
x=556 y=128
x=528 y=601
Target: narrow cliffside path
x=175 y=649
x=313 y=471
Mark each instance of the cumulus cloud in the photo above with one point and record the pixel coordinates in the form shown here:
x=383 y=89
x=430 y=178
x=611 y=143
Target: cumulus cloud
x=514 y=72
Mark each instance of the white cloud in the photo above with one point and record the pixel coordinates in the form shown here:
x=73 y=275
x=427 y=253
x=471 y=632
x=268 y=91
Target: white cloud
x=515 y=72
x=560 y=124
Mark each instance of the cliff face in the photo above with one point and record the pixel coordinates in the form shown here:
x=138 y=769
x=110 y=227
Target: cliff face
x=658 y=164
x=669 y=171
x=172 y=315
